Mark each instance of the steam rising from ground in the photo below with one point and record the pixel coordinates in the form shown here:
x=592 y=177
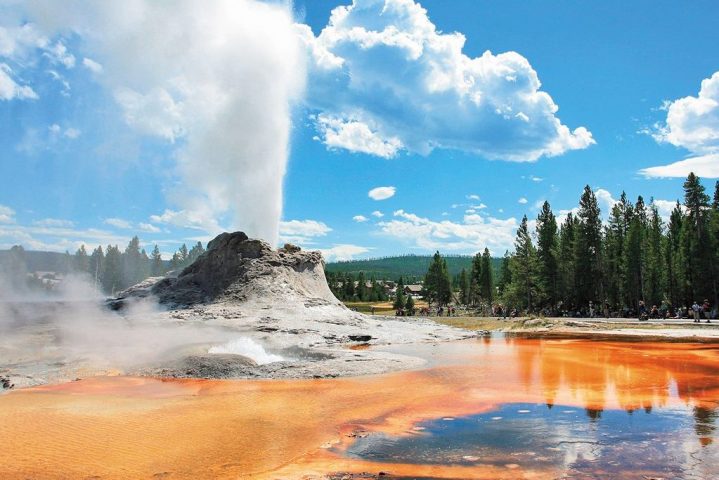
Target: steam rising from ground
x=71 y=327
x=248 y=348
x=215 y=78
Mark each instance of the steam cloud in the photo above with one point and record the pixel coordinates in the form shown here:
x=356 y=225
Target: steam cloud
x=218 y=79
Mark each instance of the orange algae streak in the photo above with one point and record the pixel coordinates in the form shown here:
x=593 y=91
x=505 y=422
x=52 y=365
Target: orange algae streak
x=122 y=427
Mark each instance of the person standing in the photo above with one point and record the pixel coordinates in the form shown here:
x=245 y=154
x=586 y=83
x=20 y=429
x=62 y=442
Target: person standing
x=695 y=310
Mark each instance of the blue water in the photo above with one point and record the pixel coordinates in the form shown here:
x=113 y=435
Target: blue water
x=583 y=442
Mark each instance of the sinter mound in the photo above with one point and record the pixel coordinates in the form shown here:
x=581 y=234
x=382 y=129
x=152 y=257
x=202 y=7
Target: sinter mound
x=236 y=268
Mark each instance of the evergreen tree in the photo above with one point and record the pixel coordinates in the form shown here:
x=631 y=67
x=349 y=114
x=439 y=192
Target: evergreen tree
x=654 y=272
x=348 y=287
x=409 y=305
x=464 y=290
x=634 y=254
x=547 y=250
x=132 y=264
x=362 y=293
x=81 y=260
x=156 y=268
x=588 y=250
x=674 y=260
x=475 y=280
x=505 y=273
x=567 y=268
x=112 y=272
x=486 y=278
x=523 y=289
x=699 y=245
x=437 y=286
x=399 y=299
x=195 y=253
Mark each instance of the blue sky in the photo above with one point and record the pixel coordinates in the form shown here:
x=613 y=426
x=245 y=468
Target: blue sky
x=107 y=131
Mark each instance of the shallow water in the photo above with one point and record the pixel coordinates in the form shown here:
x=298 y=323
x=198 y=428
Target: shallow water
x=499 y=407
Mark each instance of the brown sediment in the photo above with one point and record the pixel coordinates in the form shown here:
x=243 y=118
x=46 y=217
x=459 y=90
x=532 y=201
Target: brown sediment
x=124 y=427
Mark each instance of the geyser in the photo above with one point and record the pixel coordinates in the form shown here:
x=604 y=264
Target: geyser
x=216 y=79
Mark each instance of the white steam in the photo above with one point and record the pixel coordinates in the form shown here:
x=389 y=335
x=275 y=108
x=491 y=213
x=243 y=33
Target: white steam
x=248 y=348
x=218 y=79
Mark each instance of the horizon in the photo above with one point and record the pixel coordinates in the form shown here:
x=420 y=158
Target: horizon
x=111 y=130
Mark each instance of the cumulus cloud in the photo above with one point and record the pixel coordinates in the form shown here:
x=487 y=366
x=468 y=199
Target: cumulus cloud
x=218 y=79
x=355 y=136
x=692 y=123
x=148 y=227
x=381 y=193
x=472 y=234
x=343 y=252
x=360 y=218
x=377 y=214
x=383 y=69
x=302 y=231
x=522 y=200
x=473 y=197
x=7 y=214
x=9 y=89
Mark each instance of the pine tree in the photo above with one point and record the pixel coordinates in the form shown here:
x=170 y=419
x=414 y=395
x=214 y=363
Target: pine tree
x=475 y=280
x=588 y=250
x=674 y=260
x=409 y=305
x=437 y=286
x=523 y=289
x=700 y=254
x=132 y=264
x=505 y=273
x=157 y=267
x=486 y=278
x=81 y=260
x=547 y=246
x=567 y=268
x=112 y=273
x=654 y=272
x=399 y=300
x=362 y=294
x=634 y=256
x=464 y=290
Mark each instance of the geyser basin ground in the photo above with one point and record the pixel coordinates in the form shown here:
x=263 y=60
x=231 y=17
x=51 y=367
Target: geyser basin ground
x=437 y=422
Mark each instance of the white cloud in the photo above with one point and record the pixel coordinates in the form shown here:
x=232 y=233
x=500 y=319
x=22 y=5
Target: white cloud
x=522 y=200
x=54 y=222
x=56 y=131
x=118 y=223
x=666 y=207
x=193 y=219
x=148 y=227
x=9 y=89
x=92 y=65
x=605 y=200
x=473 y=197
x=535 y=178
x=377 y=214
x=471 y=235
x=355 y=136
x=71 y=133
x=343 y=252
x=302 y=232
x=360 y=218
x=58 y=53
x=704 y=166
x=56 y=238
x=7 y=214
x=221 y=77
x=384 y=65
x=692 y=123
x=381 y=193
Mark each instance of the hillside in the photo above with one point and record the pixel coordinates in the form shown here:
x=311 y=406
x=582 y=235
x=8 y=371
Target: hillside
x=407 y=266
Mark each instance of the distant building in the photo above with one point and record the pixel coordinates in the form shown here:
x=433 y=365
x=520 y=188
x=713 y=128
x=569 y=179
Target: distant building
x=413 y=290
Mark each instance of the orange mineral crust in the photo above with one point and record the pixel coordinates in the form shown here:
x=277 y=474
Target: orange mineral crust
x=125 y=427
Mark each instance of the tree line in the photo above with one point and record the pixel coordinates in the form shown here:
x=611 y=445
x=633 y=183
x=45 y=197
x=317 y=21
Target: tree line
x=355 y=288
x=632 y=262
x=110 y=269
